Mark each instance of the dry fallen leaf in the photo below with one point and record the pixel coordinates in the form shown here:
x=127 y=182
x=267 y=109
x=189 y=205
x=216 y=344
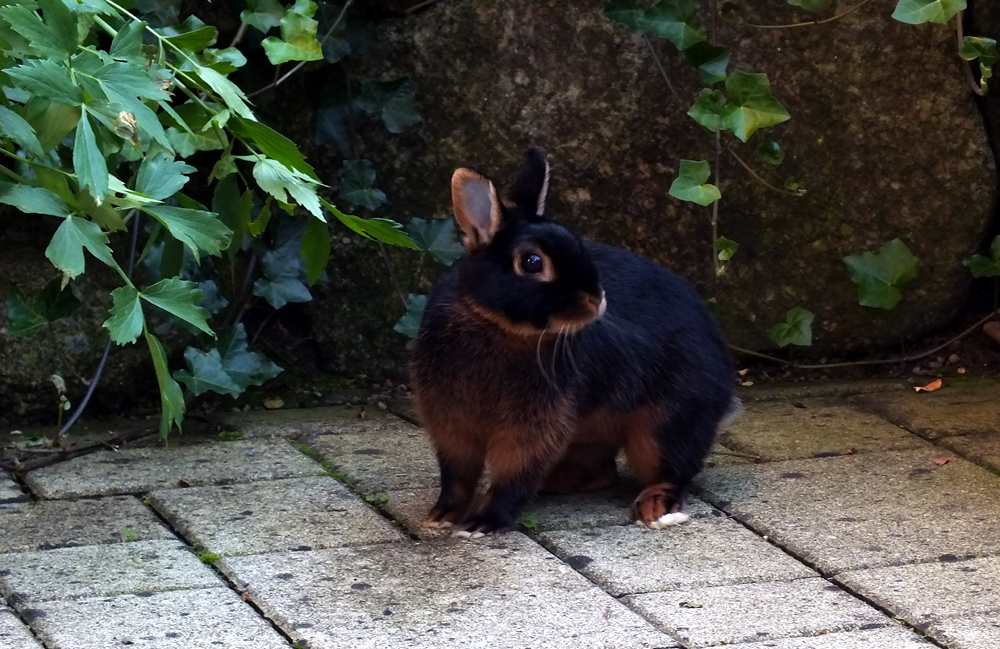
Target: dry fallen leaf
x=273 y=403
x=743 y=372
x=961 y=370
x=933 y=386
x=689 y=605
x=941 y=461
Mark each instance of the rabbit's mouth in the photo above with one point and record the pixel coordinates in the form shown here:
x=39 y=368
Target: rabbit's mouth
x=591 y=308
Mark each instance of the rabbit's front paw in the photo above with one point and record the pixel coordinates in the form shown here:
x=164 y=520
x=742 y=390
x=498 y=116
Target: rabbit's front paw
x=480 y=525
x=658 y=507
x=441 y=517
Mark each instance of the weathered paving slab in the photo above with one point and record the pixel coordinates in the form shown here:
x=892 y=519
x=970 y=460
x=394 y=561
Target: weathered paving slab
x=13 y=633
x=10 y=491
x=952 y=410
x=888 y=638
x=800 y=429
x=100 y=570
x=930 y=592
x=280 y=515
x=880 y=509
x=984 y=450
x=968 y=632
x=311 y=422
x=383 y=462
x=50 y=524
x=503 y=592
x=704 y=617
x=818 y=389
x=702 y=552
x=181 y=619
x=139 y=470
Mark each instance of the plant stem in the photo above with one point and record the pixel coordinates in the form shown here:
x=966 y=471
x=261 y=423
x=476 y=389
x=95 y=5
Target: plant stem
x=663 y=72
x=960 y=31
x=239 y=34
x=755 y=176
x=13 y=174
x=277 y=82
x=717 y=263
x=33 y=163
x=808 y=23
x=392 y=275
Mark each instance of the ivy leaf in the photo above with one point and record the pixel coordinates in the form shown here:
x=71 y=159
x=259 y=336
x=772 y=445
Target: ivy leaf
x=357 y=184
x=751 y=105
x=88 y=161
x=710 y=61
x=771 y=151
x=815 y=6
x=65 y=251
x=315 y=248
x=47 y=79
x=205 y=372
x=18 y=129
x=214 y=301
x=880 y=275
x=171 y=397
x=52 y=303
x=276 y=179
x=915 y=12
x=263 y=14
x=984 y=49
x=626 y=12
x=245 y=367
x=690 y=184
x=160 y=176
x=796 y=330
x=178 y=298
x=726 y=248
x=674 y=20
x=438 y=238
x=986 y=266
x=707 y=110
x=126 y=321
x=32 y=200
x=283 y=274
x=199 y=230
x=394 y=101
x=298 y=36
x=409 y=324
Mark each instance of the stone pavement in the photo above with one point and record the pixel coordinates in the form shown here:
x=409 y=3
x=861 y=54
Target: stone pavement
x=831 y=517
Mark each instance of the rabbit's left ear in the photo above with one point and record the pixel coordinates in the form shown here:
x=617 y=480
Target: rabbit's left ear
x=532 y=183
x=477 y=208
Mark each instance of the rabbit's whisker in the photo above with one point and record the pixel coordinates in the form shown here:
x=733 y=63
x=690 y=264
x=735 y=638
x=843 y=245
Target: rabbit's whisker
x=538 y=357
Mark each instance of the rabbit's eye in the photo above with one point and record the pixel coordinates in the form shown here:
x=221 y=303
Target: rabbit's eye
x=531 y=263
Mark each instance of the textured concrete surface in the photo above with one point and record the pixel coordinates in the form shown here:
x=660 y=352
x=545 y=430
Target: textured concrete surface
x=181 y=619
x=952 y=410
x=49 y=524
x=984 y=450
x=702 y=552
x=497 y=592
x=703 y=617
x=13 y=633
x=968 y=632
x=312 y=422
x=144 y=469
x=887 y=638
x=960 y=588
x=806 y=428
x=10 y=491
x=818 y=389
x=298 y=514
x=381 y=462
x=879 y=509
x=101 y=570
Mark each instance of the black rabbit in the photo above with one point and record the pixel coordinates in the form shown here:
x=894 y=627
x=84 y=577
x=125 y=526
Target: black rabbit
x=542 y=355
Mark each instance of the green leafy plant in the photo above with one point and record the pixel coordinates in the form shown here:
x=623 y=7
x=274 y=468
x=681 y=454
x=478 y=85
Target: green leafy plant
x=880 y=275
x=986 y=266
x=796 y=330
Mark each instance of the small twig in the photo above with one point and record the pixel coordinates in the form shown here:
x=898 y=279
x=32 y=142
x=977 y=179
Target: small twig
x=277 y=82
x=887 y=361
x=715 y=205
x=656 y=58
x=237 y=308
x=960 y=31
x=239 y=35
x=260 y=328
x=419 y=6
x=808 y=23
x=755 y=176
x=60 y=455
x=392 y=275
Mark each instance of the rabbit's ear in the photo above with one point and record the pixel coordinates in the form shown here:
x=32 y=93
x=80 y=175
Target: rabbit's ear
x=532 y=183
x=477 y=207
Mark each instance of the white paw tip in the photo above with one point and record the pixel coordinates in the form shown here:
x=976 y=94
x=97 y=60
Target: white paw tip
x=437 y=524
x=675 y=518
x=466 y=534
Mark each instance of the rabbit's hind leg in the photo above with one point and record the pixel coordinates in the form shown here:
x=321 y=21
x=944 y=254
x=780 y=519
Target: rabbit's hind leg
x=584 y=467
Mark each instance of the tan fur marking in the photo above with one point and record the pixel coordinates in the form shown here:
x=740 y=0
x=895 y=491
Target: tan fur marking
x=477 y=230
x=640 y=443
x=652 y=503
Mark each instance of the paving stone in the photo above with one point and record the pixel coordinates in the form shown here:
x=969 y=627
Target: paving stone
x=13 y=633
x=970 y=632
x=381 y=462
x=10 y=491
x=930 y=592
x=984 y=450
x=818 y=389
x=498 y=592
x=703 y=617
x=304 y=423
x=806 y=428
x=144 y=469
x=50 y=524
x=280 y=515
x=101 y=570
x=953 y=410
x=845 y=513
x=888 y=638
x=702 y=552
x=182 y=619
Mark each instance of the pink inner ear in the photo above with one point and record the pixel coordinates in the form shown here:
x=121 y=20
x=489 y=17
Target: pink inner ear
x=477 y=209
